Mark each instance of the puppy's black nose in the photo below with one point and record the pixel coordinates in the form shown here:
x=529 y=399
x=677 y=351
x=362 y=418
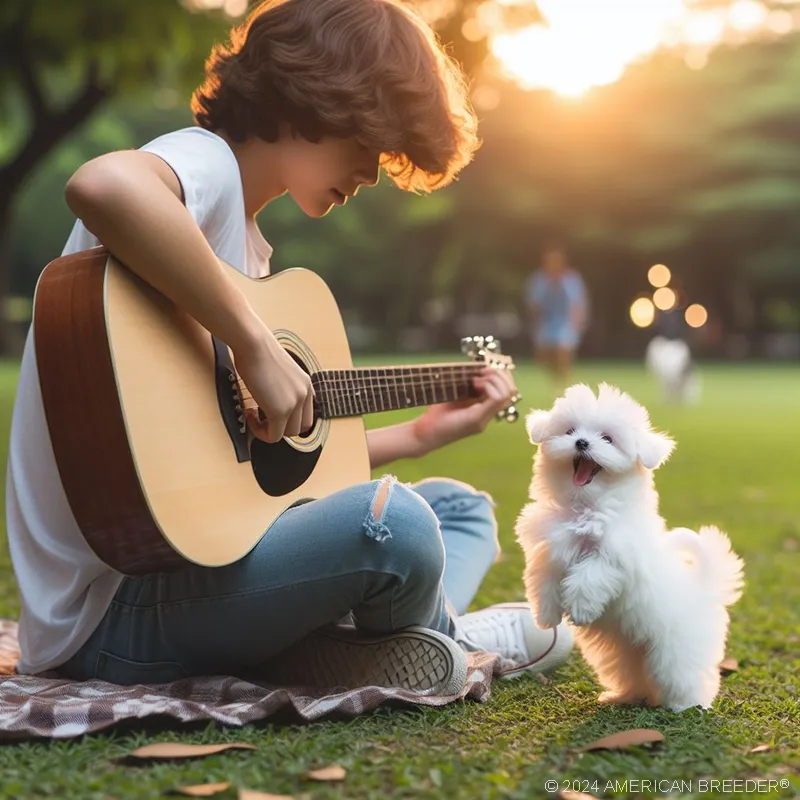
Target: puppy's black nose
x=582 y=444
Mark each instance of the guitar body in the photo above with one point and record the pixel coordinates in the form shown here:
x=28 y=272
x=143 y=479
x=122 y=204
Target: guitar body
x=136 y=398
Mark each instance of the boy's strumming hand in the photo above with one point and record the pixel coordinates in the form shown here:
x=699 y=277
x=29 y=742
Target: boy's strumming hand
x=448 y=422
x=280 y=388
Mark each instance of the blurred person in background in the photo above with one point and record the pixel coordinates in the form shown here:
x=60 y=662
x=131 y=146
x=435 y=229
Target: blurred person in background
x=557 y=302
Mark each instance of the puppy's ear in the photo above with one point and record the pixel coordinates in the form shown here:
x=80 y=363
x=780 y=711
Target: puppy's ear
x=654 y=448
x=536 y=424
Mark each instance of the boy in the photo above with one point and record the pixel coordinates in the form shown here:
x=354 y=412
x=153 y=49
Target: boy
x=310 y=98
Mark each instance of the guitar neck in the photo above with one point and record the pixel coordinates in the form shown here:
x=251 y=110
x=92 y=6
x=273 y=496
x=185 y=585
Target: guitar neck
x=354 y=392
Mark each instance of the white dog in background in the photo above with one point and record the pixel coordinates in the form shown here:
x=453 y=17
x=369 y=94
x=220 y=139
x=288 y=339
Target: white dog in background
x=670 y=360
x=649 y=604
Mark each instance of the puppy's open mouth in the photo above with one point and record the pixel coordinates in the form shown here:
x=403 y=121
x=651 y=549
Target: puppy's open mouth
x=585 y=470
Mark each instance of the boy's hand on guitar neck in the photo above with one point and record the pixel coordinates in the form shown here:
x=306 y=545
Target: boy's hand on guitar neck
x=279 y=386
x=448 y=422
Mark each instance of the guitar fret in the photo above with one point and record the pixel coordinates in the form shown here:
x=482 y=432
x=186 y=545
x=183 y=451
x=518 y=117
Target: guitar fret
x=384 y=398
x=396 y=393
x=347 y=391
x=354 y=392
x=377 y=392
x=337 y=380
x=351 y=391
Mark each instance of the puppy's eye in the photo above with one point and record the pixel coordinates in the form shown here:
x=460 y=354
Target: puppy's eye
x=570 y=431
x=606 y=438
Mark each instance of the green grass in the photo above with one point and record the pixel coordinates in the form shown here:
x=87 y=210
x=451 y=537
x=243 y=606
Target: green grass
x=736 y=465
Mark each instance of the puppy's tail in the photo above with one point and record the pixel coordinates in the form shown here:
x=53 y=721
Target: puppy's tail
x=720 y=569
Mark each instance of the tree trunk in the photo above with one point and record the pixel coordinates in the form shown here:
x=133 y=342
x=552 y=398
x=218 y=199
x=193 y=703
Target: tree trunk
x=9 y=343
x=49 y=128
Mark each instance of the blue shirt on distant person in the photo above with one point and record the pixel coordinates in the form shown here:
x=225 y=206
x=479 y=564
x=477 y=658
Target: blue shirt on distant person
x=559 y=306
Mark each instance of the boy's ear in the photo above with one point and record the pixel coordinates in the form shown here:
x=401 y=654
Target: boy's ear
x=536 y=424
x=654 y=448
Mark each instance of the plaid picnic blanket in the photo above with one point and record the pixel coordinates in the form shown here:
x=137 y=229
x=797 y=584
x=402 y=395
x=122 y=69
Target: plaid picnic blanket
x=57 y=708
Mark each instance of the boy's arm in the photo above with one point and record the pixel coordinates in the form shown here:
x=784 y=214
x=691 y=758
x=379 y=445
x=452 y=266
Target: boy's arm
x=392 y=443
x=131 y=201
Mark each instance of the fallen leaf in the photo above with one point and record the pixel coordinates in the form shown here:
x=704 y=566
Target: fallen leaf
x=333 y=772
x=201 y=789
x=728 y=665
x=761 y=748
x=571 y=794
x=250 y=794
x=631 y=738
x=180 y=750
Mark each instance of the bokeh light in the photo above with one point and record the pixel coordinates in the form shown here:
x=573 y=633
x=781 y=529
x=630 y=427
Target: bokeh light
x=664 y=298
x=696 y=316
x=643 y=312
x=659 y=275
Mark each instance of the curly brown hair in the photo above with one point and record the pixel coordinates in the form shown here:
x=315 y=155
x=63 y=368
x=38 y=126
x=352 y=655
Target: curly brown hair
x=368 y=69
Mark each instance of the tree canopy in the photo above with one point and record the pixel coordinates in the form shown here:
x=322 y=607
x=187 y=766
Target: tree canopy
x=696 y=168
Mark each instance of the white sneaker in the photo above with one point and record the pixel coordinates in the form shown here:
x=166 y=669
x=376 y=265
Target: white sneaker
x=509 y=629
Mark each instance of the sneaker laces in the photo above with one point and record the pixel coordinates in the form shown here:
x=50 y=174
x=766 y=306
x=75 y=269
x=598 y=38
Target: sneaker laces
x=498 y=632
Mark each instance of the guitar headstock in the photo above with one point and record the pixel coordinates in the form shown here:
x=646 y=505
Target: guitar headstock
x=487 y=350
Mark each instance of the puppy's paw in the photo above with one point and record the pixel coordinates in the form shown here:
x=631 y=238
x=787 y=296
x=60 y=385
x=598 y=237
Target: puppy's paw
x=680 y=704
x=584 y=613
x=679 y=708
x=548 y=618
x=611 y=698
x=618 y=698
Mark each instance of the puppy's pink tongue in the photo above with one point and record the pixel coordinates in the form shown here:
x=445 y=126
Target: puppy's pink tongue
x=583 y=472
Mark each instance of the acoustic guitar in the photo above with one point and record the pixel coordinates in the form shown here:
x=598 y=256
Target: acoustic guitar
x=146 y=411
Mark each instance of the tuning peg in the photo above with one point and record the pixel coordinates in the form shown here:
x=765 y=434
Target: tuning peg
x=509 y=414
x=492 y=344
x=472 y=346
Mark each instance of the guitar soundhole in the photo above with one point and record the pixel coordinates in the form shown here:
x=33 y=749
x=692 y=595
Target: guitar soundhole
x=281 y=468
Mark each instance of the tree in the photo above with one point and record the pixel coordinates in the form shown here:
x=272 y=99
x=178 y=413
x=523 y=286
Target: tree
x=60 y=61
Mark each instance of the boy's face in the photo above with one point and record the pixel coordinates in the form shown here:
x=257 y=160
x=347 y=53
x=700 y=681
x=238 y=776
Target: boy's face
x=322 y=175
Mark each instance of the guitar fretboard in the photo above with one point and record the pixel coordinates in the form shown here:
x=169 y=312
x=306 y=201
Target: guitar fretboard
x=353 y=392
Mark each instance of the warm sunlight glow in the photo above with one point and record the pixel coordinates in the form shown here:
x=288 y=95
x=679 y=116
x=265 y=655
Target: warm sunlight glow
x=586 y=43
x=233 y=8
x=643 y=312
x=696 y=316
x=659 y=275
x=664 y=298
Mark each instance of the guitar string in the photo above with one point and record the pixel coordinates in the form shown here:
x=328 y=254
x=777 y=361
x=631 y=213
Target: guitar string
x=332 y=389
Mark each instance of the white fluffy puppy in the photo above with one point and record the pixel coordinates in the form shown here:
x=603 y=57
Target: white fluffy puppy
x=670 y=360
x=649 y=604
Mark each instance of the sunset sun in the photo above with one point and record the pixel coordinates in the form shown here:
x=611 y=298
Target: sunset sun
x=586 y=44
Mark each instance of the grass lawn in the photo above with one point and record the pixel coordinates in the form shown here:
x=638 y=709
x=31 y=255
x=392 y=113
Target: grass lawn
x=736 y=465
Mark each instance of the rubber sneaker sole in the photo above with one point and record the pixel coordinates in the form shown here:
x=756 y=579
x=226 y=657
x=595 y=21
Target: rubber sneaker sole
x=415 y=658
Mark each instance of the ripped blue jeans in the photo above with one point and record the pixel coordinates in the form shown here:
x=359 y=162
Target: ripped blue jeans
x=388 y=554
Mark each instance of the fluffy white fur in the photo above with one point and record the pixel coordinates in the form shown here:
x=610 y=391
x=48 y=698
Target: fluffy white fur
x=670 y=360
x=649 y=605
